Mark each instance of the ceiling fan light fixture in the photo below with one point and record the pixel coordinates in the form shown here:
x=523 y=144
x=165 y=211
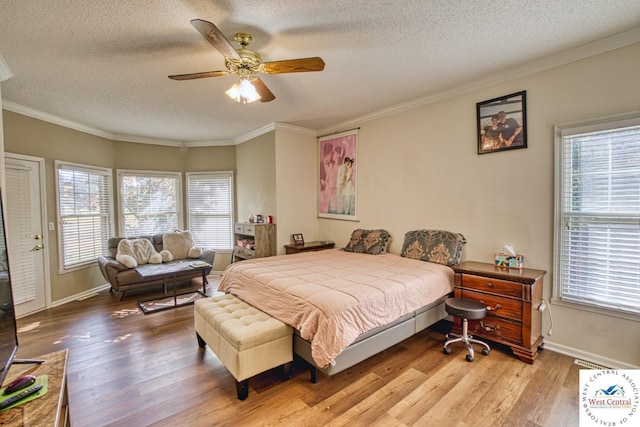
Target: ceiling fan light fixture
x=246 y=64
x=243 y=91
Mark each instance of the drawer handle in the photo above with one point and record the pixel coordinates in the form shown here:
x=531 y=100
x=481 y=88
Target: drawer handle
x=489 y=328
x=494 y=308
x=489 y=285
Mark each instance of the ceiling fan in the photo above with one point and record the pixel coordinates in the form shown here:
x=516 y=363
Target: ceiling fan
x=246 y=64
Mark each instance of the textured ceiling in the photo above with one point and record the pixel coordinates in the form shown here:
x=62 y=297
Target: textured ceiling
x=103 y=65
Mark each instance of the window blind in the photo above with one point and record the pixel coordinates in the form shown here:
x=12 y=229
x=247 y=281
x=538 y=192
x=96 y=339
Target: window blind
x=150 y=203
x=210 y=209
x=19 y=218
x=84 y=211
x=599 y=246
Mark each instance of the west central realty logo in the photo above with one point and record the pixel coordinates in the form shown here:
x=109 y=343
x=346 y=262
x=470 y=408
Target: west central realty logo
x=609 y=397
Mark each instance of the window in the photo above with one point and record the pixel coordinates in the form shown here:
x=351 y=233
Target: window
x=150 y=202
x=210 y=208
x=85 y=213
x=597 y=261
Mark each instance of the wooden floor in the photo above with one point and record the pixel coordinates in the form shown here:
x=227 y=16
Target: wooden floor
x=130 y=369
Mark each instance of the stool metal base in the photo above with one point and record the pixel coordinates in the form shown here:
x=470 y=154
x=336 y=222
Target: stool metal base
x=467 y=339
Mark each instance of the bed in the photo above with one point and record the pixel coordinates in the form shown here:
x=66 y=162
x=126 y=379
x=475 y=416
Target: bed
x=349 y=304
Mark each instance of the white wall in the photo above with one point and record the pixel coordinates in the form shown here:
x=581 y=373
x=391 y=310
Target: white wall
x=420 y=169
x=296 y=180
x=255 y=178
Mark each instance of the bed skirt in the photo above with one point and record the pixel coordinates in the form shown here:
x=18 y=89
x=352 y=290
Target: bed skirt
x=376 y=340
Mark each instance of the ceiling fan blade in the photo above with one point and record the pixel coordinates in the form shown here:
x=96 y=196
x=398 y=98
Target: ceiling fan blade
x=293 y=66
x=215 y=37
x=265 y=94
x=202 y=75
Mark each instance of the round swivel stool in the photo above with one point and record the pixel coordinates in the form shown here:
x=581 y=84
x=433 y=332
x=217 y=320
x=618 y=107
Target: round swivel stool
x=465 y=309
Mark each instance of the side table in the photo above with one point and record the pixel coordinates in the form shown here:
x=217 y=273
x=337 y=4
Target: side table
x=513 y=298
x=52 y=409
x=309 y=247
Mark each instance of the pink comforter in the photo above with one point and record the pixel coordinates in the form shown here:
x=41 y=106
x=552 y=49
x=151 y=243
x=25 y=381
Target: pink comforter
x=333 y=296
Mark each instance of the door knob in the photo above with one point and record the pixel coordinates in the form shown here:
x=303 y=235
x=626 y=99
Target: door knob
x=38 y=247
x=37 y=237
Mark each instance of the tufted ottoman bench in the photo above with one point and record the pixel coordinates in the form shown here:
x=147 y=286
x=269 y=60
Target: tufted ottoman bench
x=245 y=339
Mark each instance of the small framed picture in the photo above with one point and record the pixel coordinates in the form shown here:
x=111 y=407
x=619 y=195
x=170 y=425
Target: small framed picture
x=298 y=239
x=502 y=123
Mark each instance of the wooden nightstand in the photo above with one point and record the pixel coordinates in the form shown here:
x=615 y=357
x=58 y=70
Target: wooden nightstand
x=309 y=247
x=512 y=297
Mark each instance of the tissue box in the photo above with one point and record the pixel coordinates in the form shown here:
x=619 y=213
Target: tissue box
x=505 y=260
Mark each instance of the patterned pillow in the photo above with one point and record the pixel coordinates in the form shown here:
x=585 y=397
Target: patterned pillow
x=372 y=242
x=439 y=246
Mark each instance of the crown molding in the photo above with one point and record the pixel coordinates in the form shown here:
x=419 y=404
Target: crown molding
x=295 y=129
x=275 y=126
x=50 y=118
x=255 y=133
x=146 y=140
x=600 y=46
x=591 y=49
x=209 y=143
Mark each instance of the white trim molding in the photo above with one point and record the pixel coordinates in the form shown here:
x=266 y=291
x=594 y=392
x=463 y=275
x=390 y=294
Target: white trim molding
x=585 y=355
x=592 y=49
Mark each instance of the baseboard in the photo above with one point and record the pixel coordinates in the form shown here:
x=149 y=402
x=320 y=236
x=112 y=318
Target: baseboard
x=91 y=292
x=590 y=357
x=83 y=295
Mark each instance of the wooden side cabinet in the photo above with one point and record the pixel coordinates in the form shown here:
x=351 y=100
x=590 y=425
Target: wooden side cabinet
x=253 y=240
x=309 y=247
x=52 y=409
x=513 y=298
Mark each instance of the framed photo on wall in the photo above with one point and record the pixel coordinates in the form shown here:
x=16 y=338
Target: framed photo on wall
x=502 y=123
x=337 y=180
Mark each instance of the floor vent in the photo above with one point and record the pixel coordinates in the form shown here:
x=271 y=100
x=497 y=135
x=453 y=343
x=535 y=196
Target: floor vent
x=589 y=364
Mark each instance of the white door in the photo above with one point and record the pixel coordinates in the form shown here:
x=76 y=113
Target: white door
x=25 y=237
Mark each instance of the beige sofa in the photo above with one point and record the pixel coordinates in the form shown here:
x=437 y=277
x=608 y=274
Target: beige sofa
x=123 y=279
